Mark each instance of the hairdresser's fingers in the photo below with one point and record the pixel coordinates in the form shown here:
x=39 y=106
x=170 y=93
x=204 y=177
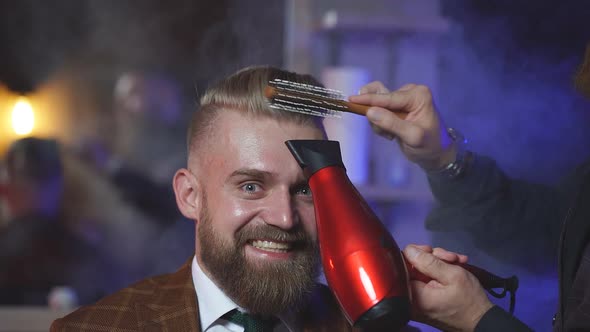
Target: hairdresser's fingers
x=409 y=133
x=449 y=256
x=412 y=98
x=373 y=87
x=379 y=131
x=431 y=266
x=407 y=87
x=424 y=247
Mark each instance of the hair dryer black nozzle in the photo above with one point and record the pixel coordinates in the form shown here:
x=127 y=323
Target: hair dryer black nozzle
x=313 y=155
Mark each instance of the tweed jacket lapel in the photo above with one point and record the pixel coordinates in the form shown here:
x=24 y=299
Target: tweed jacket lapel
x=172 y=306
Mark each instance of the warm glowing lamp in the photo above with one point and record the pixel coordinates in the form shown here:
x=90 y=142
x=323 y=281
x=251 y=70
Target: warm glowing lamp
x=23 y=118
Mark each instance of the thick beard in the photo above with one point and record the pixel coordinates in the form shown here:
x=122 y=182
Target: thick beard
x=268 y=288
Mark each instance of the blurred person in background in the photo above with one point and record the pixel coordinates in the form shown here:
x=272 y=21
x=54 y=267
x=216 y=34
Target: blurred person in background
x=474 y=194
x=94 y=209
x=144 y=144
x=38 y=249
x=145 y=149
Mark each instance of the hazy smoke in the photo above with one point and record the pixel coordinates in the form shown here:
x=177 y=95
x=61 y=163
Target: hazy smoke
x=510 y=89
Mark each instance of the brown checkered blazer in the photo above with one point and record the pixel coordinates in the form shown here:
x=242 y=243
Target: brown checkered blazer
x=169 y=303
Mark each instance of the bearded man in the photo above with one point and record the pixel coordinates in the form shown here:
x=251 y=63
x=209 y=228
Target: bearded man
x=256 y=254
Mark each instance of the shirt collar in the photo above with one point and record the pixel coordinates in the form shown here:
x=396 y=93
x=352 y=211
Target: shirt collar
x=213 y=303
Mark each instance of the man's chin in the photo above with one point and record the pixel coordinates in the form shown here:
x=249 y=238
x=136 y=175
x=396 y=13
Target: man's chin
x=264 y=278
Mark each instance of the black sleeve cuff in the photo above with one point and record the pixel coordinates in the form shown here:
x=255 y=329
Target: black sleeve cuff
x=496 y=319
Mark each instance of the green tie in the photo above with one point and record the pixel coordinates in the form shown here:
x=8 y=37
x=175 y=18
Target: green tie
x=249 y=322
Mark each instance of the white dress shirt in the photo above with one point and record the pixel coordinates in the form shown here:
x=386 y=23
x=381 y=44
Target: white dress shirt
x=213 y=304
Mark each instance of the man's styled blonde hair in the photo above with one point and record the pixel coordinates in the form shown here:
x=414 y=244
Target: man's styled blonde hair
x=243 y=91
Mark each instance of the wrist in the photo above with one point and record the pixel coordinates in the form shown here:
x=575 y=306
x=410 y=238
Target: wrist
x=448 y=156
x=455 y=160
x=479 y=311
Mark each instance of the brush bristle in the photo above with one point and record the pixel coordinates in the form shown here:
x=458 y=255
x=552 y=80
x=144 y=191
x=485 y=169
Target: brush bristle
x=304 y=109
x=304 y=98
x=302 y=88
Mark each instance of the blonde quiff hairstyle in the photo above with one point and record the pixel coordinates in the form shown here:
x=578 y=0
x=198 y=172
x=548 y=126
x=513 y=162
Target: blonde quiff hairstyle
x=243 y=91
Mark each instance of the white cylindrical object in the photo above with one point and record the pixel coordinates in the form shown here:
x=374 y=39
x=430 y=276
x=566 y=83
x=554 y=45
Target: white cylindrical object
x=62 y=298
x=352 y=130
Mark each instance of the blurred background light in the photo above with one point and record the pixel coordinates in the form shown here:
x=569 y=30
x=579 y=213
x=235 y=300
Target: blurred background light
x=23 y=117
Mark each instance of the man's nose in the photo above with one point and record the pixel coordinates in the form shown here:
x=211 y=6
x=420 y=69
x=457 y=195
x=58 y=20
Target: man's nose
x=281 y=211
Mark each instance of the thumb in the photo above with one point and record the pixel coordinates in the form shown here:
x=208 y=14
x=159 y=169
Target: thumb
x=429 y=265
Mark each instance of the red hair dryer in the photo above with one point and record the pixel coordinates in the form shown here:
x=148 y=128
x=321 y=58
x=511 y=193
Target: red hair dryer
x=362 y=262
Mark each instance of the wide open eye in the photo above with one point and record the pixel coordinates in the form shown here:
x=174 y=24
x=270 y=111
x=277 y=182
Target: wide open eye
x=251 y=187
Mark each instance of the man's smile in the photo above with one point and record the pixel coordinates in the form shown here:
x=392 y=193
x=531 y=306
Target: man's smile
x=282 y=247
x=267 y=249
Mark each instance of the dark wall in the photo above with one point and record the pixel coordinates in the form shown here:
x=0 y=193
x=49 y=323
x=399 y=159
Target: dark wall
x=192 y=40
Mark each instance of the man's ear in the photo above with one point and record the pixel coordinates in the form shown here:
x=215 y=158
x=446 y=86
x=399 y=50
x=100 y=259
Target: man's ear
x=187 y=193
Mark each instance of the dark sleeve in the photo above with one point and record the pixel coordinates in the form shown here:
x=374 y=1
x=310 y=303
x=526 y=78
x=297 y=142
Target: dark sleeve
x=498 y=211
x=497 y=319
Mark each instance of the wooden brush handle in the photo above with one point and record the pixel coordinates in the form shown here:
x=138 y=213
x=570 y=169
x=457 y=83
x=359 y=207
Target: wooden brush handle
x=362 y=109
x=356 y=108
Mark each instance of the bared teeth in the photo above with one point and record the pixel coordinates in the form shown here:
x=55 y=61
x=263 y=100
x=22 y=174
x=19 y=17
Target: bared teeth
x=272 y=246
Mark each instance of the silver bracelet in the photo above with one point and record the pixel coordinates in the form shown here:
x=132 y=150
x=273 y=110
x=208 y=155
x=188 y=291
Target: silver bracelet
x=457 y=167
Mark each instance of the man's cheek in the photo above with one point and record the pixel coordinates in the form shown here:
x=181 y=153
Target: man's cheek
x=242 y=212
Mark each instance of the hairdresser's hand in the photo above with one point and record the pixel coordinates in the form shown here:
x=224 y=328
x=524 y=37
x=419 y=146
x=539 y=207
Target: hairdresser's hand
x=445 y=255
x=422 y=135
x=453 y=301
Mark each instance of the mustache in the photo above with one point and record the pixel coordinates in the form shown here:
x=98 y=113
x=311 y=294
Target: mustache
x=297 y=235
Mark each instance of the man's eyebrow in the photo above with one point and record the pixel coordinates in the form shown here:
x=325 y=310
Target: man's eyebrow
x=252 y=173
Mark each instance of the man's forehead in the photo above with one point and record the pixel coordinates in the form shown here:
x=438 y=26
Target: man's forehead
x=255 y=143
